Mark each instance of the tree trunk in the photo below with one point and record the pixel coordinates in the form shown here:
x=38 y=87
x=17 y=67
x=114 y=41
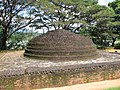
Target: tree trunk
x=4 y=47
x=113 y=41
x=4 y=39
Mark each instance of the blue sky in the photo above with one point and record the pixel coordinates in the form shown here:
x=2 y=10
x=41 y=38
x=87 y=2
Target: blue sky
x=104 y=2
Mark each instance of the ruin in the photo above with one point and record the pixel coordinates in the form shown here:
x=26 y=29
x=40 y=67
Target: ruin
x=81 y=63
x=61 y=45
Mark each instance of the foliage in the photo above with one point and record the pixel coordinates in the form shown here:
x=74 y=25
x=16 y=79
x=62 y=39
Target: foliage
x=117 y=45
x=61 y=14
x=11 y=18
x=115 y=23
x=19 y=39
x=104 y=29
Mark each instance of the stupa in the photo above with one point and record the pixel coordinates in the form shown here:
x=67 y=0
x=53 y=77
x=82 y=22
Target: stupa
x=61 y=45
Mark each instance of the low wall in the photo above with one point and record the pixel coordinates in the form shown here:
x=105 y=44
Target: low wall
x=34 y=77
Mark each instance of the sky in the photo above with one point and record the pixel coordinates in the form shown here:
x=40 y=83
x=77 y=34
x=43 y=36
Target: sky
x=104 y=2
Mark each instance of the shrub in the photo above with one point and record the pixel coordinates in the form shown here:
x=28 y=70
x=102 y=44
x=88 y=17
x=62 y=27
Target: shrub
x=117 y=45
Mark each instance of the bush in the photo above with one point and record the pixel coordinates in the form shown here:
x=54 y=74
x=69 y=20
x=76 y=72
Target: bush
x=117 y=45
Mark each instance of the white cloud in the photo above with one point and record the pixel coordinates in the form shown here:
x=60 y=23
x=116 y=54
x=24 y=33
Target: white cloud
x=104 y=2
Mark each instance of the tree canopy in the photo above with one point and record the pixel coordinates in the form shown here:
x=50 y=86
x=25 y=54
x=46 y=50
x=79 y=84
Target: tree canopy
x=86 y=17
x=61 y=14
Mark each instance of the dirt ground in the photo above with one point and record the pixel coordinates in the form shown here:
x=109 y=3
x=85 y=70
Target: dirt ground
x=1 y=55
x=11 y=54
x=89 y=86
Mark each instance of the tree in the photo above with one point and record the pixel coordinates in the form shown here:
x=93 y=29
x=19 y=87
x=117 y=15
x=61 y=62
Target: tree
x=11 y=18
x=61 y=14
x=105 y=25
x=101 y=27
x=115 y=24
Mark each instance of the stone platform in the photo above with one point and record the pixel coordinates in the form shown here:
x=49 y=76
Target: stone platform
x=14 y=64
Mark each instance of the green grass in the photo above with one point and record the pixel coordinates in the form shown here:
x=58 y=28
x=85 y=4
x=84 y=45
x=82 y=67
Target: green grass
x=113 y=88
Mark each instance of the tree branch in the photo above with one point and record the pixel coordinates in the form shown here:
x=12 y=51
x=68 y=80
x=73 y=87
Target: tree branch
x=20 y=28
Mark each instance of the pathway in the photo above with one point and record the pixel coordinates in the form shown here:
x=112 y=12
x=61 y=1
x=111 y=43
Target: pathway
x=89 y=86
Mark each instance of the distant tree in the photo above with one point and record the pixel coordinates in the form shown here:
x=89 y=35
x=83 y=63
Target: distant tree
x=20 y=39
x=11 y=18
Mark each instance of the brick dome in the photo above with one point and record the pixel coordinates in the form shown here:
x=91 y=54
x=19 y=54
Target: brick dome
x=61 y=45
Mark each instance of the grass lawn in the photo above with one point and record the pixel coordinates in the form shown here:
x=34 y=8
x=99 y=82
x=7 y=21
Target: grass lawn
x=114 y=88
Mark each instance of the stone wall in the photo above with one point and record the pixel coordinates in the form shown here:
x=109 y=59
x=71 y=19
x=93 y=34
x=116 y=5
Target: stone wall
x=60 y=76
